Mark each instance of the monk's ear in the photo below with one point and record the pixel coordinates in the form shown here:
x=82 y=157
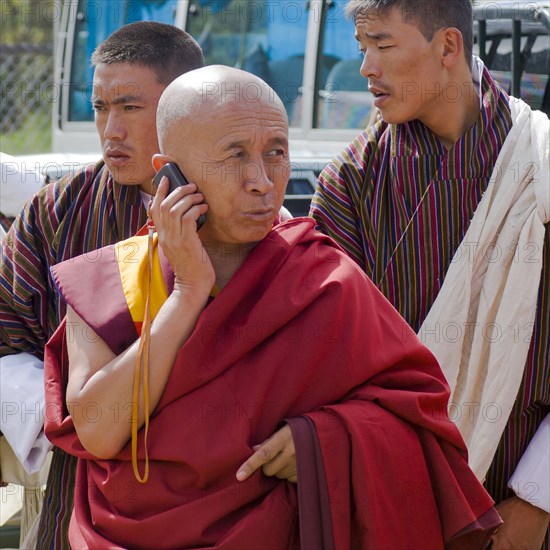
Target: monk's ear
x=159 y=161
x=452 y=46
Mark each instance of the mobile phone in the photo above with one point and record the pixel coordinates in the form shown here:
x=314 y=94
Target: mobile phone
x=175 y=180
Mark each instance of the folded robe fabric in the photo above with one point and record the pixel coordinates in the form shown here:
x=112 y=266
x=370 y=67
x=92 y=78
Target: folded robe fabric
x=298 y=334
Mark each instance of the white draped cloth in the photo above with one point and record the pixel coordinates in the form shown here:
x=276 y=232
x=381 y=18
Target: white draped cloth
x=22 y=404
x=486 y=307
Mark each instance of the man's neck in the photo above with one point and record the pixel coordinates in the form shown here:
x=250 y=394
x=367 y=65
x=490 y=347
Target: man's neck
x=457 y=126
x=226 y=259
x=455 y=118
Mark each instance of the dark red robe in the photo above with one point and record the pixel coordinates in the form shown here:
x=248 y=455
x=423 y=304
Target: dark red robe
x=298 y=334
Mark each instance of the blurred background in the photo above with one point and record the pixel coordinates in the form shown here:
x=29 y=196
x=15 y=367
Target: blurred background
x=26 y=75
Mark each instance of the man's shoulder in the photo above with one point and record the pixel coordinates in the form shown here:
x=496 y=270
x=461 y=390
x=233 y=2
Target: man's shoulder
x=94 y=266
x=46 y=211
x=371 y=138
x=74 y=182
x=362 y=149
x=301 y=257
x=307 y=246
x=58 y=197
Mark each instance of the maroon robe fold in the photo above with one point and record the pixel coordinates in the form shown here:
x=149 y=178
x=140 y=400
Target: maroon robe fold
x=299 y=333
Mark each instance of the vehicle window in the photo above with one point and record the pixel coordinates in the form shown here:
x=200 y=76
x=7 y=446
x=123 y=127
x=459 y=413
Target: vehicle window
x=535 y=56
x=536 y=65
x=95 y=21
x=345 y=101
x=299 y=187
x=263 y=37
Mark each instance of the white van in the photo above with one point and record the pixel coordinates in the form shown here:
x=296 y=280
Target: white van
x=304 y=49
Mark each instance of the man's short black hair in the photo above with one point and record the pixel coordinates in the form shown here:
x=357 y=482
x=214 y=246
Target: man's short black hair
x=165 y=49
x=428 y=15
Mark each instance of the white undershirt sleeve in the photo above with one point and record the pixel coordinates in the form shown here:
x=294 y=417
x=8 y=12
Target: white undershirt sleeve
x=531 y=480
x=22 y=409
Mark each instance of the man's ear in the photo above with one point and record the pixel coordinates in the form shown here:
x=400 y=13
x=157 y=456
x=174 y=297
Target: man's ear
x=452 y=47
x=159 y=161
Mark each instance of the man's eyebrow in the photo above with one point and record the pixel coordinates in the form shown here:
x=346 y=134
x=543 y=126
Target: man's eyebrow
x=119 y=100
x=374 y=36
x=235 y=144
x=283 y=142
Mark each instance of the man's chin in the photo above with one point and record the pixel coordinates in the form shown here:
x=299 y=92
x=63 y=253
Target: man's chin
x=395 y=116
x=391 y=117
x=127 y=175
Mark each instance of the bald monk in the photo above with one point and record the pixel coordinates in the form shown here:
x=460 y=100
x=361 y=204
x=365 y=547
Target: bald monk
x=257 y=391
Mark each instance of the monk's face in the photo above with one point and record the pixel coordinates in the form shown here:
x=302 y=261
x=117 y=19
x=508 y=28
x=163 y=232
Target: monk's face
x=238 y=157
x=403 y=68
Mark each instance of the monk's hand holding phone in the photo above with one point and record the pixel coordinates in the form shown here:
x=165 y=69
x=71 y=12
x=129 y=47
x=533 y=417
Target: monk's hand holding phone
x=178 y=210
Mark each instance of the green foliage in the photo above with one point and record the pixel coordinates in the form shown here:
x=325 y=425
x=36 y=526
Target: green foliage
x=33 y=136
x=25 y=118
x=25 y=21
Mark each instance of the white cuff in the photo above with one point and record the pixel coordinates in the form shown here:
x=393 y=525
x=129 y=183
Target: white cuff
x=22 y=414
x=531 y=480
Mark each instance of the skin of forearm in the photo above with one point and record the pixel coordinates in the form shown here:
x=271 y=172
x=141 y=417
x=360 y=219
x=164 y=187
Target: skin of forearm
x=107 y=384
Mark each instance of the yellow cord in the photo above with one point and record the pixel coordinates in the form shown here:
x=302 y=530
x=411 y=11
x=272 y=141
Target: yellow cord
x=142 y=368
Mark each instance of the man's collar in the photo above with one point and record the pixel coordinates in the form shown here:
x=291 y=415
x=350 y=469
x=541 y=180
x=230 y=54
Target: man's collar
x=477 y=75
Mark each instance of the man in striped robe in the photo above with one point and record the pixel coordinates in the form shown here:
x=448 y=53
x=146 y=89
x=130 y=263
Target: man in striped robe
x=399 y=200
x=99 y=205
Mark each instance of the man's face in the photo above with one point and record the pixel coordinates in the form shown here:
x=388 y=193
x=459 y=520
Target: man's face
x=125 y=99
x=403 y=68
x=238 y=158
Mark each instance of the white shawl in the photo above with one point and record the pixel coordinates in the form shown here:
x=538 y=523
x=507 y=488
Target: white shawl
x=481 y=323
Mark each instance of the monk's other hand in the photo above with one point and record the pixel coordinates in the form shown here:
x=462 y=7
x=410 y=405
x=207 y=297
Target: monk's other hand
x=276 y=456
x=524 y=527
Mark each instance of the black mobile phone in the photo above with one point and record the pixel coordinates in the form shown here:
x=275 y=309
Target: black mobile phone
x=175 y=180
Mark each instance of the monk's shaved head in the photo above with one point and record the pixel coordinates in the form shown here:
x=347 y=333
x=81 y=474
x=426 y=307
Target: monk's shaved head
x=204 y=92
x=227 y=131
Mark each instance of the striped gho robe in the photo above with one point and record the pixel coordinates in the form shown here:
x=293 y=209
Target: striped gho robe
x=399 y=204
x=73 y=216
x=5 y=222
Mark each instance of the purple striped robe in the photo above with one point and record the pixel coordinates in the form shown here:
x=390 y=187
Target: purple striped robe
x=400 y=204
x=73 y=216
